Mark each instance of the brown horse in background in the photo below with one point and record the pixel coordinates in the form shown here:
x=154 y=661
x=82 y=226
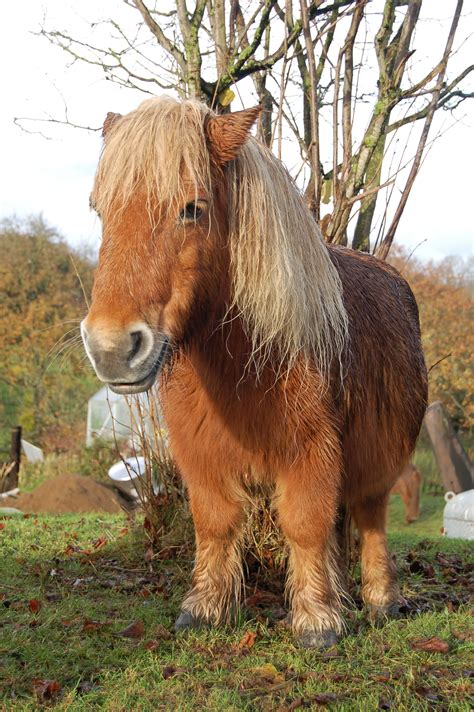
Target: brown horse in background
x=408 y=486
x=289 y=362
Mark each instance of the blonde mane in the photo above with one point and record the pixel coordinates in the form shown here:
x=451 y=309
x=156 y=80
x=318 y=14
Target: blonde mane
x=285 y=287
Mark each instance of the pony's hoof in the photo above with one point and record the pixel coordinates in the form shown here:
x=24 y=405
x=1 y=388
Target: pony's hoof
x=317 y=639
x=186 y=620
x=381 y=614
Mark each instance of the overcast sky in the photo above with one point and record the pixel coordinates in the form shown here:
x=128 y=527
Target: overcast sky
x=54 y=177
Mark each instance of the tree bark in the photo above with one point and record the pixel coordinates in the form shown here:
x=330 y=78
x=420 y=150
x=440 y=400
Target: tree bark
x=455 y=468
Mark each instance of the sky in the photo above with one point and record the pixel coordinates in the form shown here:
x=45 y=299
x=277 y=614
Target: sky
x=53 y=176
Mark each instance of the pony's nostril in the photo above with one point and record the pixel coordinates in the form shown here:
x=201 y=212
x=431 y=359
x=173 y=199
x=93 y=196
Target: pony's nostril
x=136 y=337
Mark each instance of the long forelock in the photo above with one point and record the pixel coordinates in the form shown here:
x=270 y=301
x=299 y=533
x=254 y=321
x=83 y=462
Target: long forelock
x=159 y=149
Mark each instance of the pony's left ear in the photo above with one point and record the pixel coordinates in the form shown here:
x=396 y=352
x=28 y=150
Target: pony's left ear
x=227 y=133
x=110 y=120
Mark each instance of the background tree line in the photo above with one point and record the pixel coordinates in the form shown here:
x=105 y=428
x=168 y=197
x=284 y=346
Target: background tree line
x=46 y=380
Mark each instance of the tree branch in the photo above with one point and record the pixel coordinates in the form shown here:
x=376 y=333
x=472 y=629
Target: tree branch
x=163 y=41
x=388 y=239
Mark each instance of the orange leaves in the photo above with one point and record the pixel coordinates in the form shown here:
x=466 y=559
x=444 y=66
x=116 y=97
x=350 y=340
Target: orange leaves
x=99 y=543
x=45 y=689
x=446 y=315
x=135 y=630
x=431 y=645
x=248 y=640
x=34 y=605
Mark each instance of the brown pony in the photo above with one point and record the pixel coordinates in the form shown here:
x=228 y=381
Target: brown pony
x=289 y=362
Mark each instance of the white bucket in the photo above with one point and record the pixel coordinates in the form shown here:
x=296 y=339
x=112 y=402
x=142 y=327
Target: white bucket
x=459 y=515
x=127 y=475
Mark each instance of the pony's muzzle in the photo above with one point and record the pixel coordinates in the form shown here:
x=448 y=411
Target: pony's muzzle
x=128 y=358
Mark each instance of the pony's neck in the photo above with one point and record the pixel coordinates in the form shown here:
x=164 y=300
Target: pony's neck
x=222 y=354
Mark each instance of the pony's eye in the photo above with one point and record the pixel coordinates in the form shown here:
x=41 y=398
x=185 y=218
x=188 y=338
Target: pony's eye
x=190 y=212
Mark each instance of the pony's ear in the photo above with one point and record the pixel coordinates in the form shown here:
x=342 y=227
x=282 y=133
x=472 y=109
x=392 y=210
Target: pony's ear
x=227 y=133
x=110 y=120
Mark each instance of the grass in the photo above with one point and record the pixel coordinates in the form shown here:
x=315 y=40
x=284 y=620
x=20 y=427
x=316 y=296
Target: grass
x=71 y=585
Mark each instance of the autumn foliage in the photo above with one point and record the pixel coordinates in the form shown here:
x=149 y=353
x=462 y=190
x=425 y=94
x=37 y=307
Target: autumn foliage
x=444 y=292
x=44 y=380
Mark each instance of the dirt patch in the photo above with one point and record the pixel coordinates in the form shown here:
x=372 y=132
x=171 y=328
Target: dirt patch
x=68 y=493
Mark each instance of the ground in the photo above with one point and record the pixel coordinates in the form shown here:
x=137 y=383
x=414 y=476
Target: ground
x=87 y=621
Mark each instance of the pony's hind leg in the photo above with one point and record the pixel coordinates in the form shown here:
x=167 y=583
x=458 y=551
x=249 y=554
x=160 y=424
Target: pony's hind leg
x=313 y=584
x=217 y=576
x=379 y=582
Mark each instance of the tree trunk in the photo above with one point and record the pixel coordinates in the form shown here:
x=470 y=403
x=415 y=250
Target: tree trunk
x=456 y=470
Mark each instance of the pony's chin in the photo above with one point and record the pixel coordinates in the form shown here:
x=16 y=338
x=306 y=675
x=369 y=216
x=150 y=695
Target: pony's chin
x=128 y=389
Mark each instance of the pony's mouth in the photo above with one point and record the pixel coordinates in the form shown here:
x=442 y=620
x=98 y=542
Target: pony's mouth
x=145 y=383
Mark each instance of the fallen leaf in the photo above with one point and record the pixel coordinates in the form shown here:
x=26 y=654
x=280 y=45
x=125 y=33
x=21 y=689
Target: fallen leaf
x=151 y=645
x=324 y=698
x=431 y=645
x=90 y=625
x=123 y=531
x=99 y=543
x=427 y=693
x=162 y=633
x=262 y=598
x=298 y=702
x=149 y=554
x=2 y=526
x=248 y=640
x=382 y=676
x=71 y=549
x=45 y=689
x=34 y=605
x=171 y=671
x=134 y=630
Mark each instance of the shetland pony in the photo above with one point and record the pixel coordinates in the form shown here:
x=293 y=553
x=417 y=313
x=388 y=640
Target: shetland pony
x=288 y=361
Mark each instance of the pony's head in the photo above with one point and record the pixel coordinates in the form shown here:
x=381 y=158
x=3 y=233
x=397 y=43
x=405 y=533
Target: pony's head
x=199 y=220
x=160 y=266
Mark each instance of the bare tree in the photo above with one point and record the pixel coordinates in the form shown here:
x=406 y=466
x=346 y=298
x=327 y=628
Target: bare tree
x=313 y=65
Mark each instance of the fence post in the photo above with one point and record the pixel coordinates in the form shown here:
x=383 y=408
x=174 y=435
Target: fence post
x=453 y=462
x=11 y=480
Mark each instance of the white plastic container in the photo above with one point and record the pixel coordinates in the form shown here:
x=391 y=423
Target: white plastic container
x=459 y=515
x=128 y=477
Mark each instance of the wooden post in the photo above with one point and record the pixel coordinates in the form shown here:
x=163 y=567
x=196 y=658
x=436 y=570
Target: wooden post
x=453 y=462
x=11 y=480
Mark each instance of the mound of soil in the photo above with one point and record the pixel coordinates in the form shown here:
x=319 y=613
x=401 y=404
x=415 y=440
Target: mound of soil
x=68 y=493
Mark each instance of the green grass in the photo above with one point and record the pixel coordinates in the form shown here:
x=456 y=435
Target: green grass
x=429 y=523
x=88 y=595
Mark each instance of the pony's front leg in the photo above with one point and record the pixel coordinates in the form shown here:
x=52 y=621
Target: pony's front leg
x=217 y=577
x=307 y=504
